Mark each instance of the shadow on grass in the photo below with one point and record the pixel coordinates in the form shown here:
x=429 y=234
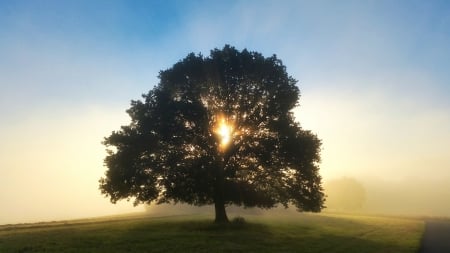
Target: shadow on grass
x=205 y=236
x=198 y=235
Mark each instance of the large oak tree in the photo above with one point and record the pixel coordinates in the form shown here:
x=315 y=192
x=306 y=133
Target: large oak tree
x=217 y=130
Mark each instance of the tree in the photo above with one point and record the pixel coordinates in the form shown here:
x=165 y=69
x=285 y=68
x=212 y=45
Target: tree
x=217 y=130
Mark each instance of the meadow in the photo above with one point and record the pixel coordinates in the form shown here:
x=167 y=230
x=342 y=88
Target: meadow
x=308 y=233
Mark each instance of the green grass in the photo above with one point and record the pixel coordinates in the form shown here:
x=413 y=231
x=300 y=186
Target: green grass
x=299 y=233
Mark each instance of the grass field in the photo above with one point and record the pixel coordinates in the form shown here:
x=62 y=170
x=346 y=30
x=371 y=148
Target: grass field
x=299 y=233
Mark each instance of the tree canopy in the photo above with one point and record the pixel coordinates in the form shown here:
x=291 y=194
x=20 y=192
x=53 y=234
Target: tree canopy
x=217 y=130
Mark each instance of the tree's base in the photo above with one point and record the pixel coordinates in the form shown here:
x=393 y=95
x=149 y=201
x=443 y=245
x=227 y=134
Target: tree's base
x=221 y=214
x=221 y=217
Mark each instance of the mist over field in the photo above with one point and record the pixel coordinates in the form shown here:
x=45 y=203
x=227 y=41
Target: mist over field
x=412 y=197
x=348 y=195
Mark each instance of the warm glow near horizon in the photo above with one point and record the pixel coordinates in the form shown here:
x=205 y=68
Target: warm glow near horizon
x=54 y=165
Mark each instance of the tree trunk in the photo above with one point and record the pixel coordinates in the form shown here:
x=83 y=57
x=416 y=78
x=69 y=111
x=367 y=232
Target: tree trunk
x=221 y=214
x=219 y=201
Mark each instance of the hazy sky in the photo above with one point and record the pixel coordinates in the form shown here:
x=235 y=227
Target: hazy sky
x=374 y=77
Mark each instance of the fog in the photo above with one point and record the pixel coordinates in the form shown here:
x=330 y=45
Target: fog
x=373 y=77
x=51 y=166
x=52 y=158
x=395 y=150
x=412 y=198
x=349 y=195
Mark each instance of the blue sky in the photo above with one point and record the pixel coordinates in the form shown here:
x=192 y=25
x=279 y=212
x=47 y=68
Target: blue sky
x=374 y=77
x=356 y=39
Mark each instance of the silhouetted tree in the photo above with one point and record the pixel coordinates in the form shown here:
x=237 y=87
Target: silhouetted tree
x=217 y=130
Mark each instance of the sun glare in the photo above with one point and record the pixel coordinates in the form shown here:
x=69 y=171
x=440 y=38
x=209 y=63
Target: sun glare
x=224 y=131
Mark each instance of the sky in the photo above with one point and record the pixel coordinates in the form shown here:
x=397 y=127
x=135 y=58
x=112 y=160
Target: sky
x=374 y=80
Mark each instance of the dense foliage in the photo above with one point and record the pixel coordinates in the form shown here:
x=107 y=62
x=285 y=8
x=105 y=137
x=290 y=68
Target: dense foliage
x=217 y=130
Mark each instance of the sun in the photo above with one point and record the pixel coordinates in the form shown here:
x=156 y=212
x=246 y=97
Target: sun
x=224 y=131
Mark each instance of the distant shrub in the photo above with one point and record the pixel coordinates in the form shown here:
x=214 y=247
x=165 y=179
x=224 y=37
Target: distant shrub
x=238 y=221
